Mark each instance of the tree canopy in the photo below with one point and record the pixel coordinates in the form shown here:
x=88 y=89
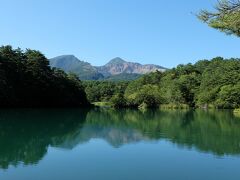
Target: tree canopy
x=27 y=80
x=226 y=18
x=214 y=83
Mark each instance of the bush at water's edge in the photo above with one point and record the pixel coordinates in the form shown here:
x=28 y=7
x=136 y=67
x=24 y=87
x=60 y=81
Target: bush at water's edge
x=237 y=112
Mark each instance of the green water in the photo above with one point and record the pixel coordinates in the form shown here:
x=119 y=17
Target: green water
x=104 y=144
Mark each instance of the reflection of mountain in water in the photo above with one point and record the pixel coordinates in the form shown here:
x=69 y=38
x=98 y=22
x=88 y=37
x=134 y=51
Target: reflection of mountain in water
x=114 y=136
x=25 y=135
x=216 y=132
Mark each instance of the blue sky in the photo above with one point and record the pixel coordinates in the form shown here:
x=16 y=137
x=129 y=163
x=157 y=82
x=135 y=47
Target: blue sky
x=147 y=31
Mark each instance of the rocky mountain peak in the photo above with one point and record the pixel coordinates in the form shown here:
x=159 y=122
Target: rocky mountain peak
x=116 y=61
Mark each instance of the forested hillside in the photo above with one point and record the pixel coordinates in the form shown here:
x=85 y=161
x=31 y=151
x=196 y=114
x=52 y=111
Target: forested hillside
x=71 y=64
x=205 y=84
x=26 y=80
x=213 y=83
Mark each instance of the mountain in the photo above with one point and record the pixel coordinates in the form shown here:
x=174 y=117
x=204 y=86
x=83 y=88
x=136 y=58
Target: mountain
x=70 y=63
x=118 y=66
x=116 y=69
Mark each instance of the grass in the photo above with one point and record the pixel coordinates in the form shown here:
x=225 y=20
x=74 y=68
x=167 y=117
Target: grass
x=102 y=104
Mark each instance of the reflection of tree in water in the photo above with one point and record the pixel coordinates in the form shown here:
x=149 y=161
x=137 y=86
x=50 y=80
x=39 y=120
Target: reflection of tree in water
x=25 y=135
x=217 y=132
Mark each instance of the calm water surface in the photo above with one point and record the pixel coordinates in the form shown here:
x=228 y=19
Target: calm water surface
x=107 y=144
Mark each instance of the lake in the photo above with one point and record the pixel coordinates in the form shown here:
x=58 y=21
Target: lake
x=63 y=144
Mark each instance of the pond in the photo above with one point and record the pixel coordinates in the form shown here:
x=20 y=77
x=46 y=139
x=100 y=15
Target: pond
x=107 y=144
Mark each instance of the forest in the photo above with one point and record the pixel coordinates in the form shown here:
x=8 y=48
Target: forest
x=26 y=80
x=206 y=84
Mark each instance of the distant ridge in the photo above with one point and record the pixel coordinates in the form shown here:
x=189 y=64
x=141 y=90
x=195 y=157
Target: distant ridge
x=115 y=69
x=70 y=63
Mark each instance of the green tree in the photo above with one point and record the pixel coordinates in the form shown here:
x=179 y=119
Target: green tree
x=26 y=80
x=219 y=73
x=226 y=18
x=103 y=90
x=118 y=101
x=229 y=97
